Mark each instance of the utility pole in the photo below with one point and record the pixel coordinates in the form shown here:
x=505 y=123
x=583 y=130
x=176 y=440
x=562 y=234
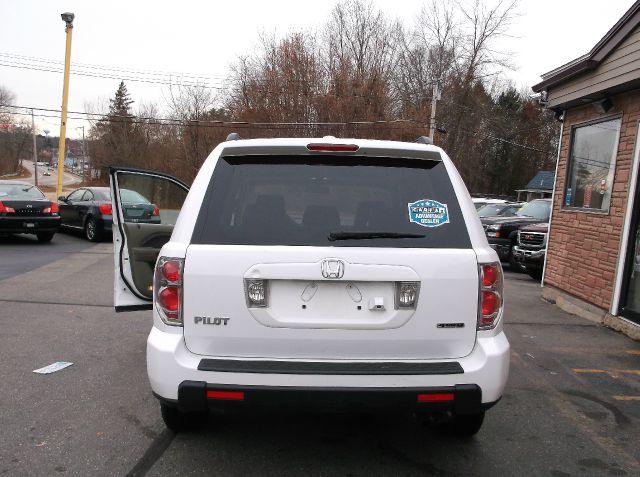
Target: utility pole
x=68 y=19
x=435 y=97
x=84 y=156
x=35 y=152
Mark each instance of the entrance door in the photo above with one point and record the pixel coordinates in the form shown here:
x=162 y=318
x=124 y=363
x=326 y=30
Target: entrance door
x=630 y=292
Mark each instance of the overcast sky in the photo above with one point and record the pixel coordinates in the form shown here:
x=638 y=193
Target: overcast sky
x=205 y=37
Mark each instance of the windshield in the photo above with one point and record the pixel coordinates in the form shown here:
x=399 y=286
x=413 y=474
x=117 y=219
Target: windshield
x=331 y=201
x=490 y=210
x=539 y=209
x=20 y=191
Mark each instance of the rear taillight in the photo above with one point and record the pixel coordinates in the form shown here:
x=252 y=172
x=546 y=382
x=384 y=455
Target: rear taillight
x=4 y=208
x=156 y=211
x=52 y=209
x=167 y=289
x=490 y=295
x=105 y=209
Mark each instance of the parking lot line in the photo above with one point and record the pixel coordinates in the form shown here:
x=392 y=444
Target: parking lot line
x=587 y=370
x=626 y=398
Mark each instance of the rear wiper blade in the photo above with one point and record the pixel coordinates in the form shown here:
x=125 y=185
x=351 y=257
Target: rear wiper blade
x=370 y=235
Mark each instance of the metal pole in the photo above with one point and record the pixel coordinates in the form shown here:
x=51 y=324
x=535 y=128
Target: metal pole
x=35 y=152
x=432 y=122
x=84 y=156
x=68 y=18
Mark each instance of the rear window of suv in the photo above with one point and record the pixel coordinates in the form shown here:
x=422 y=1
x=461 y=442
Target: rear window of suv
x=328 y=201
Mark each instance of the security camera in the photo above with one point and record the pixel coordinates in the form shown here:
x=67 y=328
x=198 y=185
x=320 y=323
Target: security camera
x=68 y=17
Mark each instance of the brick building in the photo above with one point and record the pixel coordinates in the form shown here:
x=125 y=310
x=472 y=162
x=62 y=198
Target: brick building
x=593 y=255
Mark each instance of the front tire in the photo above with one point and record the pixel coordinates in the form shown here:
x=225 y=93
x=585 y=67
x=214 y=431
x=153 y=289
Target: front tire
x=92 y=231
x=177 y=420
x=44 y=237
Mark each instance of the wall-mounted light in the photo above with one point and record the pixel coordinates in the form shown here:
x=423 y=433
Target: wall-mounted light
x=603 y=105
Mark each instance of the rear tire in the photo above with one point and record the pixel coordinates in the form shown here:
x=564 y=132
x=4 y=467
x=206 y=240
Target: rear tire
x=464 y=425
x=177 y=420
x=44 y=237
x=92 y=231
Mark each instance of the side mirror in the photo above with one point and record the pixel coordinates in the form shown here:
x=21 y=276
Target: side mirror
x=62 y=198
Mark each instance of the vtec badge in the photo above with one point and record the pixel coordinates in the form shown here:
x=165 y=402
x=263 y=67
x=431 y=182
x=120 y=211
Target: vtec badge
x=208 y=320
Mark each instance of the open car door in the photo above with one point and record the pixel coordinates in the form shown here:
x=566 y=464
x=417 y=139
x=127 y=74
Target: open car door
x=145 y=206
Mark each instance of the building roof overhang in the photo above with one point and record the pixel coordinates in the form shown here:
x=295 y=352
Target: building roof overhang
x=629 y=21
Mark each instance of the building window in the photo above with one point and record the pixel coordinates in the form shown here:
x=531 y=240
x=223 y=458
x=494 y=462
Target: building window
x=592 y=160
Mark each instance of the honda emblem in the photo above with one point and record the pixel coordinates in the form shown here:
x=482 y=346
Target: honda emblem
x=332 y=268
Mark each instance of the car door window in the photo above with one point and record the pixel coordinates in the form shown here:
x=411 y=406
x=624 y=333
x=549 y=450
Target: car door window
x=88 y=196
x=75 y=195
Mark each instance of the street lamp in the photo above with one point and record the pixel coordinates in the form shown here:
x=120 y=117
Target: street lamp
x=68 y=19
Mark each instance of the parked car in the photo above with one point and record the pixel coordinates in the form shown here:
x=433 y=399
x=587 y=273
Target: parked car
x=46 y=173
x=89 y=209
x=502 y=232
x=327 y=272
x=531 y=248
x=480 y=202
x=24 y=209
x=507 y=209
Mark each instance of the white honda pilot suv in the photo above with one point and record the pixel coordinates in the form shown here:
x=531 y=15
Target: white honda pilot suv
x=331 y=273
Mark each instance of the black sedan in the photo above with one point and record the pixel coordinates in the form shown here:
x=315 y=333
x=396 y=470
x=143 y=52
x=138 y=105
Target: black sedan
x=89 y=209
x=24 y=209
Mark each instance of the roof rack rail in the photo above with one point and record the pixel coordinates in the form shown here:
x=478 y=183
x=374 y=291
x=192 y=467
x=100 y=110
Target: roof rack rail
x=424 y=140
x=234 y=136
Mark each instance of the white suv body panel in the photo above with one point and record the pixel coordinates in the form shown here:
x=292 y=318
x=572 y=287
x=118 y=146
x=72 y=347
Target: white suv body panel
x=213 y=285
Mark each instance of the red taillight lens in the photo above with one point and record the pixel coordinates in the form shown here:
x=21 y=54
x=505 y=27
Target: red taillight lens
x=52 y=209
x=4 y=208
x=171 y=270
x=105 y=209
x=490 y=303
x=490 y=300
x=169 y=298
x=156 y=211
x=319 y=147
x=167 y=289
x=489 y=275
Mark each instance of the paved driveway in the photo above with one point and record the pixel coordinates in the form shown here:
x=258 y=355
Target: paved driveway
x=571 y=406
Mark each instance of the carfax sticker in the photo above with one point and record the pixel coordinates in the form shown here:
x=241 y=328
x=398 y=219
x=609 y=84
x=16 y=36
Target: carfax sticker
x=428 y=213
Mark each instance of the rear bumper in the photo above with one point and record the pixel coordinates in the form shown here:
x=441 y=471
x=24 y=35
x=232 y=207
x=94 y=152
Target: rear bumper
x=197 y=396
x=170 y=363
x=28 y=225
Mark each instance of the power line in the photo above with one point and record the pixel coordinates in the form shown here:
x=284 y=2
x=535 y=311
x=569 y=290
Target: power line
x=214 y=123
x=34 y=59
x=122 y=78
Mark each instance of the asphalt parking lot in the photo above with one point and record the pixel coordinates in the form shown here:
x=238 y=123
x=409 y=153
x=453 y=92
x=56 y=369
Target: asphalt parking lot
x=571 y=407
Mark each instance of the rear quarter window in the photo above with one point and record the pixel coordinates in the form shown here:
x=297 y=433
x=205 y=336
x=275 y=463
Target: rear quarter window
x=301 y=200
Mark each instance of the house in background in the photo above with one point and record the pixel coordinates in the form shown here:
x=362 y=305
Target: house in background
x=593 y=255
x=540 y=187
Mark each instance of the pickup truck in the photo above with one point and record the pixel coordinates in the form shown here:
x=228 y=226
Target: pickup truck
x=502 y=232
